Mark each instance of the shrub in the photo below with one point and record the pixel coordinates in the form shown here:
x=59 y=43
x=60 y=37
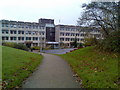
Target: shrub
x=9 y=44
x=91 y=41
x=80 y=45
x=35 y=48
x=15 y=45
x=111 y=43
x=21 y=46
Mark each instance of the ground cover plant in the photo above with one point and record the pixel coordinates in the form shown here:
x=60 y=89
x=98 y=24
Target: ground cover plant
x=96 y=69
x=17 y=65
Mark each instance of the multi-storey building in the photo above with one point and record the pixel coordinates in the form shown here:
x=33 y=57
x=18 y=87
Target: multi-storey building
x=68 y=33
x=23 y=32
x=44 y=33
x=50 y=32
x=50 y=29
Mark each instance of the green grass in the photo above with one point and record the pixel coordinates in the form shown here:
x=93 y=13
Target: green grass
x=17 y=65
x=96 y=69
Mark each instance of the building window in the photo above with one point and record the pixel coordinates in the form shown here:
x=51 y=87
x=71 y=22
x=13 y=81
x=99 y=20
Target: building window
x=81 y=39
x=13 y=38
x=5 y=31
x=26 y=32
x=72 y=39
x=35 y=38
x=42 y=33
x=77 y=34
x=43 y=38
x=67 y=34
x=19 y=26
x=29 y=26
x=22 y=26
x=13 y=32
x=14 y=26
x=67 y=39
x=72 y=34
x=20 y=32
x=61 y=34
x=29 y=32
x=61 y=28
x=33 y=33
x=2 y=25
x=28 y=38
x=5 y=24
x=82 y=34
x=61 y=39
x=26 y=26
x=20 y=38
x=5 y=38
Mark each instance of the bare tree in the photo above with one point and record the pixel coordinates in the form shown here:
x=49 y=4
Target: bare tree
x=100 y=14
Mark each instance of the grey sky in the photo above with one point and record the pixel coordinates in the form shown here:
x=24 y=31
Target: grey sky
x=67 y=11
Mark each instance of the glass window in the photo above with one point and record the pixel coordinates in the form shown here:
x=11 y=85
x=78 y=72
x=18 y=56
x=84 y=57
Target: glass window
x=61 y=39
x=5 y=38
x=13 y=38
x=2 y=25
x=27 y=38
x=5 y=31
x=19 y=38
x=67 y=39
x=26 y=32
x=14 y=26
x=22 y=38
x=22 y=32
x=77 y=34
x=72 y=34
x=22 y=26
x=13 y=32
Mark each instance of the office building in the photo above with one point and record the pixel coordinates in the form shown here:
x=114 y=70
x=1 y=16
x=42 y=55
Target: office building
x=66 y=34
x=23 y=32
x=44 y=33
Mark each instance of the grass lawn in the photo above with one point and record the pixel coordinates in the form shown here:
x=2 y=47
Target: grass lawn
x=17 y=65
x=96 y=69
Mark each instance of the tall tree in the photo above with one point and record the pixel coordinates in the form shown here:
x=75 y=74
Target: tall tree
x=101 y=14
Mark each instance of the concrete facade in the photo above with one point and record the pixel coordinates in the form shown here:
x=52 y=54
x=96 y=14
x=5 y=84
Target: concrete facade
x=44 y=33
x=67 y=33
x=23 y=32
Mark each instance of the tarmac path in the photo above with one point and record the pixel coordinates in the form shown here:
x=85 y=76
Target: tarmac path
x=53 y=72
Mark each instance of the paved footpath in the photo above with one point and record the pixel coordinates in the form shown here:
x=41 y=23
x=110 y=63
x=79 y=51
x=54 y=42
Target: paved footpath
x=54 y=72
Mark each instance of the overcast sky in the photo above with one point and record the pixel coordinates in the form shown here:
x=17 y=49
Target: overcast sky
x=65 y=11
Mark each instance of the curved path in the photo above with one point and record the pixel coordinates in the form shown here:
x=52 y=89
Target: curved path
x=54 y=72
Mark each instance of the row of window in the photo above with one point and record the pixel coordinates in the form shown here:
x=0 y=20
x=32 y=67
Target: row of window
x=71 y=39
x=21 y=38
x=22 y=32
x=77 y=34
x=68 y=29
x=22 y=26
x=71 y=34
x=74 y=29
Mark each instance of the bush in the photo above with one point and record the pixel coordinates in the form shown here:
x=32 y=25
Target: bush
x=15 y=45
x=35 y=48
x=111 y=43
x=21 y=46
x=80 y=45
x=91 y=41
x=9 y=44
